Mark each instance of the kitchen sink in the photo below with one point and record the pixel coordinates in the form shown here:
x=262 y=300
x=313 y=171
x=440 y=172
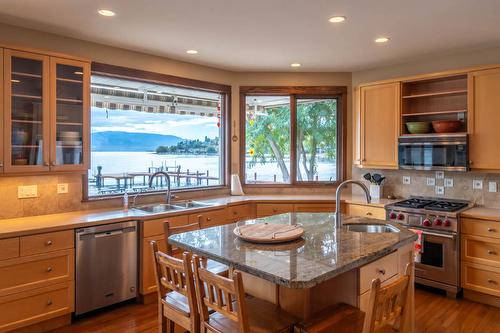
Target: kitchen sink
x=371 y=228
x=191 y=204
x=157 y=208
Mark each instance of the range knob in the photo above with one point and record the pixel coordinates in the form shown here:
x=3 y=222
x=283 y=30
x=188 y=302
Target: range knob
x=427 y=223
x=401 y=217
x=438 y=221
x=393 y=216
x=447 y=223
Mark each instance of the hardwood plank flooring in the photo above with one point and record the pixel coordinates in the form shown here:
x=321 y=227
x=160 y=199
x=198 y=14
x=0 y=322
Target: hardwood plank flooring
x=434 y=314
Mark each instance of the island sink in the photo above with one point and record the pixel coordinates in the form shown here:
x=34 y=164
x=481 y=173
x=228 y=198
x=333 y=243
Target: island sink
x=371 y=228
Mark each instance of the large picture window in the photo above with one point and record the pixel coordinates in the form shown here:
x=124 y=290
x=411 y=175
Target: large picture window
x=292 y=136
x=140 y=127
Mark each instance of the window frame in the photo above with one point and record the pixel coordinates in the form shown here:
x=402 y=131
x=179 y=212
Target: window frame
x=297 y=92
x=181 y=82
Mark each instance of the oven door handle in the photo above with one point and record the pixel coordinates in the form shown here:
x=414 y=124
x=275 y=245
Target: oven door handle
x=452 y=236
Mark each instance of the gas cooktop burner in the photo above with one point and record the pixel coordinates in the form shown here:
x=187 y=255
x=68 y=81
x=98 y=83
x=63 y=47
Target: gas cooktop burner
x=414 y=203
x=446 y=206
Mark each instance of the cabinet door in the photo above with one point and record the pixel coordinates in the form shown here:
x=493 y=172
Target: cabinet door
x=69 y=114
x=379 y=105
x=26 y=112
x=484 y=117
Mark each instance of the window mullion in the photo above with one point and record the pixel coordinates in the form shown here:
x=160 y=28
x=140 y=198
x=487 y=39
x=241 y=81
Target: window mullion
x=293 y=139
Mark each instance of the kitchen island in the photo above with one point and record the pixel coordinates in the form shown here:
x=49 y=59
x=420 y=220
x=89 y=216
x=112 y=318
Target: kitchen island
x=326 y=266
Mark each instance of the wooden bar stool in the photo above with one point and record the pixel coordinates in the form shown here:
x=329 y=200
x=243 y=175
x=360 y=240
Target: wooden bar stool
x=212 y=265
x=176 y=292
x=388 y=311
x=233 y=312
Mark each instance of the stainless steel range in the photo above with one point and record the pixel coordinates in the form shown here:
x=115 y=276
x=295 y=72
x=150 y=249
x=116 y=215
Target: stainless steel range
x=438 y=219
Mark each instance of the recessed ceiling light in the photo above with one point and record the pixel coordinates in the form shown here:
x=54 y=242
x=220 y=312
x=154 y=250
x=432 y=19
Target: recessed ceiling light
x=192 y=52
x=337 y=19
x=106 y=12
x=295 y=64
x=382 y=40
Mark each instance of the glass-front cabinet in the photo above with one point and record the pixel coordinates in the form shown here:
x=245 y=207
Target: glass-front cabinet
x=46 y=106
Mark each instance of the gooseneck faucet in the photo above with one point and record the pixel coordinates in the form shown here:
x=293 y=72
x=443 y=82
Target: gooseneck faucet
x=338 y=215
x=163 y=173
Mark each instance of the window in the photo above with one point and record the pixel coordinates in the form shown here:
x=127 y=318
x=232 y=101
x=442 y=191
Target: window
x=140 y=127
x=292 y=136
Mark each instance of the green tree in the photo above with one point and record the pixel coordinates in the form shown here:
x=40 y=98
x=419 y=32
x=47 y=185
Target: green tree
x=268 y=135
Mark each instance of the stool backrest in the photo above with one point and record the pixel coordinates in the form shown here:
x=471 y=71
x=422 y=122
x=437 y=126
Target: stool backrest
x=388 y=305
x=171 y=230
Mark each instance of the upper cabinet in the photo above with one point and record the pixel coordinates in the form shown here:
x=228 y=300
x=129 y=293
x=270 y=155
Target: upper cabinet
x=45 y=113
x=484 y=119
x=378 y=126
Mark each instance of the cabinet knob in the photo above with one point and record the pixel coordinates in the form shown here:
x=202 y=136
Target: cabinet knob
x=275 y=210
x=48 y=243
x=46 y=163
x=490 y=281
x=235 y=213
x=381 y=271
x=470 y=162
x=209 y=219
x=491 y=230
x=492 y=252
x=49 y=302
x=369 y=214
x=49 y=269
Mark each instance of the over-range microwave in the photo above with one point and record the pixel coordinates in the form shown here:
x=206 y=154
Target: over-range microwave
x=447 y=152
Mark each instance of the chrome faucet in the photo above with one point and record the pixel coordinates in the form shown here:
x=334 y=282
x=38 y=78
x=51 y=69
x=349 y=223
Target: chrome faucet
x=338 y=215
x=163 y=173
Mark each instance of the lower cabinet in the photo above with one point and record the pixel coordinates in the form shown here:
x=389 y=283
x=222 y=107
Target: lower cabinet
x=365 y=211
x=268 y=209
x=314 y=208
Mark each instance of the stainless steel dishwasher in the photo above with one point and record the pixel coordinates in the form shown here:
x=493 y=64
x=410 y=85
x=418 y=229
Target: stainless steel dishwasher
x=106 y=265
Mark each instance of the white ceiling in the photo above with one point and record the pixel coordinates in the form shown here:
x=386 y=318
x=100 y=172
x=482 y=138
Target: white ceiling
x=268 y=35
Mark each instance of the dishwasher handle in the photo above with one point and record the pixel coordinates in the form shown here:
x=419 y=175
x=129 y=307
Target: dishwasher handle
x=108 y=233
x=92 y=233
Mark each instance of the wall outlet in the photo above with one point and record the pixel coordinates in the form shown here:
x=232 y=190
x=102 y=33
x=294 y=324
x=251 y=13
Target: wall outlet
x=477 y=184
x=431 y=181
x=406 y=180
x=439 y=190
x=448 y=182
x=492 y=186
x=62 y=188
x=30 y=191
x=439 y=174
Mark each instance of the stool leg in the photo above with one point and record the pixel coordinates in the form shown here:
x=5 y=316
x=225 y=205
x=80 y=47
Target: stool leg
x=162 y=321
x=171 y=326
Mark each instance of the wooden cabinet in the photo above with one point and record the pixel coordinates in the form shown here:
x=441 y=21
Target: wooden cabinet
x=383 y=269
x=155 y=227
x=147 y=278
x=314 y=208
x=365 y=211
x=267 y=209
x=210 y=218
x=484 y=117
x=378 y=125
x=9 y=248
x=46 y=105
x=240 y=212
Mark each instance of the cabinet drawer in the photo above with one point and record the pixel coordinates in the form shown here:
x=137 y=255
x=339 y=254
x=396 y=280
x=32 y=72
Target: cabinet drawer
x=364 y=299
x=481 y=278
x=48 y=242
x=481 y=250
x=209 y=219
x=35 y=306
x=273 y=209
x=382 y=269
x=21 y=274
x=240 y=212
x=480 y=227
x=366 y=211
x=9 y=248
x=314 y=208
x=155 y=227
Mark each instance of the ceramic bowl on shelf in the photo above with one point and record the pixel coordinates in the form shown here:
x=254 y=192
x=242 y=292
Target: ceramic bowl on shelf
x=446 y=126
x=418 y=127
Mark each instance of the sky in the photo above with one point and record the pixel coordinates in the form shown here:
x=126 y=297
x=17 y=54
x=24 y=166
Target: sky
x=183 y=126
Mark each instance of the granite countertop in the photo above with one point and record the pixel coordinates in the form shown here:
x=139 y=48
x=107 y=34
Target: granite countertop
x=83 y=218
x=321 y=254
x=484 y=213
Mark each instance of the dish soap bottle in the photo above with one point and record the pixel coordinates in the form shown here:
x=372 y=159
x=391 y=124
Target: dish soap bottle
x=125 y=201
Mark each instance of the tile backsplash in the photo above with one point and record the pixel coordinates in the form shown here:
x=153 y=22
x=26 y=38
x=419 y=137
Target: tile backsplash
x=472 y=186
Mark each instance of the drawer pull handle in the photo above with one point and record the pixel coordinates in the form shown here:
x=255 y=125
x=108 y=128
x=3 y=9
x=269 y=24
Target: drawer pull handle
x=49 y=302
x=369 y=214
x=209 y=219
x=492 y=281
x=49 y=269
x=381 y=271
x=48 y=243
x=491 y=230
x=492 y=252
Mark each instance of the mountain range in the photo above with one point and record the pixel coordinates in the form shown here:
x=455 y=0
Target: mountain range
x=128 y=141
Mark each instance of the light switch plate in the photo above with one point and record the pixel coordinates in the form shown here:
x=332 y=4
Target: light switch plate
x=439 y=190
x=492 y=186
x=62 y=188
x=431 y=181
x=439 y=174
x=477 y=184
x=448 y=182
x=406 y=180
x=30 y=191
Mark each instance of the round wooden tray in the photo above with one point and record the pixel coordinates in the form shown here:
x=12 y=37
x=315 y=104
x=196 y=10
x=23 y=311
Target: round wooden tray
x=269 y=232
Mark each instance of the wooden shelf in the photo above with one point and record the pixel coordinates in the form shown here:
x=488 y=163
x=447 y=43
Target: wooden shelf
x=68 y=100
x=25 y=146
x=26 y=96
x=441 y=93
x=71 y=124
x=27 y=75
x=433 y=113
x=69 y=80
x=26 y=121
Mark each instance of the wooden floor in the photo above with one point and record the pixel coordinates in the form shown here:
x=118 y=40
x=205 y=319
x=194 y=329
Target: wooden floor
x=434 y=314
